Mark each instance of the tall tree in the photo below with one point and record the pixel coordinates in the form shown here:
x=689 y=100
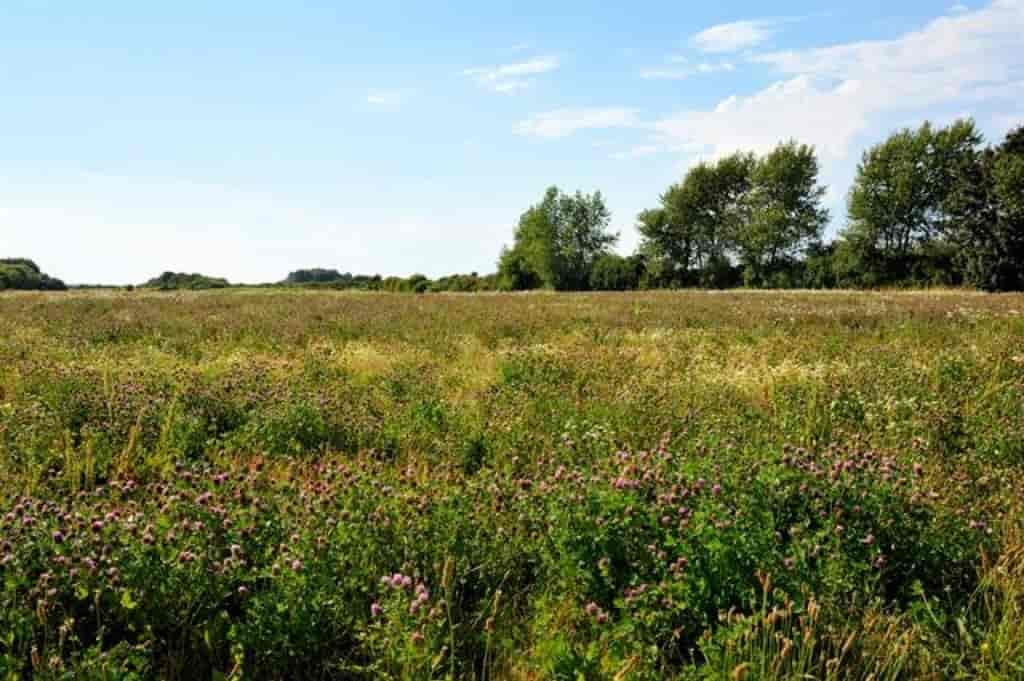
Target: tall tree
x=559 y=239
x=896 y=202
x=691 y=229
x=984 y=211
x=783 y=212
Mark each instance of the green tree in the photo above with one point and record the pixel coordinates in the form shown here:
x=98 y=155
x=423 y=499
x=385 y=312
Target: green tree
x=612 y=272
x=22 y=273
x=897 y=199
x=557 y=242
x=984 y=210
x=691 y=231
x=782 y=214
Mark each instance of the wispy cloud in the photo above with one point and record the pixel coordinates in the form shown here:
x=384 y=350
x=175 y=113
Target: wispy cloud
x=564 y=122
x=733 y=37
x=679 y=69
x=512 y=77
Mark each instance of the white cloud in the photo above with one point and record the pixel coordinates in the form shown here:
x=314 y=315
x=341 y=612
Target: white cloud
x=564 y=122
x=958 y=8
x=686 y=71
x=832 y=95
x=733 y=37
x=512 y=77
x=796 y=107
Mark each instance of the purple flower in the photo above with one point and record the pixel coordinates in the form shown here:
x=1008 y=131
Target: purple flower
x=376 y=610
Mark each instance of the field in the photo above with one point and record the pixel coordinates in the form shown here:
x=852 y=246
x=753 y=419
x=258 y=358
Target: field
x=283 y=485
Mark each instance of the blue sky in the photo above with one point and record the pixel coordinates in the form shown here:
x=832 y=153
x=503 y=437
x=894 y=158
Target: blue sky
x=247 y=139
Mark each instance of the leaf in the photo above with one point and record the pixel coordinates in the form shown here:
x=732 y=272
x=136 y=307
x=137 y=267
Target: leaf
x=127 y=602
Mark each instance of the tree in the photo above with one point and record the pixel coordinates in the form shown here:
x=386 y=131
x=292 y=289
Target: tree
x=557 y=242
x=897 y=199
x=782 y=214
x=316 y=275
x=984 y=210
x=24 y=274
x=691 y=229
x=173 y=281
x=613 y=272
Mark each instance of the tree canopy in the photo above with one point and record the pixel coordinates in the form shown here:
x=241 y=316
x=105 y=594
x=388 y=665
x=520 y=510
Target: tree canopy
x=23 y=274
x=173 y=281
x=557 y=242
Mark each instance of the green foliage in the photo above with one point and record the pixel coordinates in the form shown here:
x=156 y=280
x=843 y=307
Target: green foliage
x=897 y=200
x=694 y=228
x=762 y=213
x=783 y=213
x=558 y=241
x=612 y=272
x=24 y=274
x=331 y=278
x=985 y=215
x=664 y=485
x=316 y=276
x=175 y=281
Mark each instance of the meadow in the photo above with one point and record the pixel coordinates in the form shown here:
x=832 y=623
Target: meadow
x=286 y=484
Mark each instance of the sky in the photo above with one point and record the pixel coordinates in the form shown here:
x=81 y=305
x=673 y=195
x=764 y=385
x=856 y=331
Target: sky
x=249 y=139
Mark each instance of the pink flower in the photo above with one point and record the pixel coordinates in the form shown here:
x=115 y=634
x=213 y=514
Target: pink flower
x=376 y=610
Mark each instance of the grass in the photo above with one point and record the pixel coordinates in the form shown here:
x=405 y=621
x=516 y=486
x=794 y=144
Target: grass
x=685 y=485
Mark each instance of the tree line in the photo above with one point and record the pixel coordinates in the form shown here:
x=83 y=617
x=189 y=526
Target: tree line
x=929 y=206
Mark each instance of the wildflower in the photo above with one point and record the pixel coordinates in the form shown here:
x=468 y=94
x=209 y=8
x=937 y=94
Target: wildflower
x=376 y=610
